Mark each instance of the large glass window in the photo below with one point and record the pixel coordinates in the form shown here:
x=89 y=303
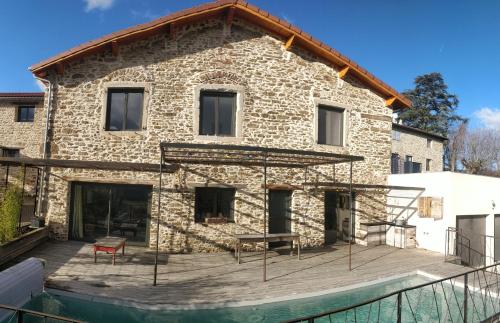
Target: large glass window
x=124 y=110
x=100 y=210
x=217 y=113
x=214 y=202
x=25 y=113
x=330 y=126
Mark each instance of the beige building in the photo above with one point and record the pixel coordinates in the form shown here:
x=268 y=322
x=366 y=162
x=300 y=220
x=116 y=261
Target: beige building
x=225 y=73
x=415 y=150
x=22 y=128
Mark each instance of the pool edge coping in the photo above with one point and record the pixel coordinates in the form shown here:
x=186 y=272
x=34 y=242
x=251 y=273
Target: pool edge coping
x=217 y=305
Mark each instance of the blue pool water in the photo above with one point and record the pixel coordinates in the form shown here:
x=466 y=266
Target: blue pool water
x=272 y=312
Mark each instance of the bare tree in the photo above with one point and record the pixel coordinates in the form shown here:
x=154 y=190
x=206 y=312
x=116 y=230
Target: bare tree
x=481 y=151
x=455 y=146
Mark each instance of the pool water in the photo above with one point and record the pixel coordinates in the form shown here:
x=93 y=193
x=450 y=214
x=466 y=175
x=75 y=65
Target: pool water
x=272 y=312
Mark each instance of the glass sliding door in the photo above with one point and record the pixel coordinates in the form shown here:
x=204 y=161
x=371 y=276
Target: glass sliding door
x=100 y=210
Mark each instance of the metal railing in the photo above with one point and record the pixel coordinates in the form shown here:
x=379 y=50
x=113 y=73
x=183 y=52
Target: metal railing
x=469 y=248
x=469 y=297
x=20 y=315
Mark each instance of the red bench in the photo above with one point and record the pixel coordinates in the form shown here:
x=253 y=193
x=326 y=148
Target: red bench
x=109 y=245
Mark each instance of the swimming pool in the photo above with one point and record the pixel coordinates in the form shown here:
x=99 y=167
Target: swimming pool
x=271 y=312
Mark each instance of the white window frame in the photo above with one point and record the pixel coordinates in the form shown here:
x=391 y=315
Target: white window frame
x=240 y=99
x=345 y=119
x=145 y=106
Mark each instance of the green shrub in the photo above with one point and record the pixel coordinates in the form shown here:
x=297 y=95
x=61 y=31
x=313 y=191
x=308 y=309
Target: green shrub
x=10 y=209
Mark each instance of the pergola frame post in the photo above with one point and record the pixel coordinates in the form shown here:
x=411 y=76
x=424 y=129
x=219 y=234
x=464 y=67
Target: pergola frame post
x=158 y=219
x=265 y=219
x=350 y=216
x=22 y=198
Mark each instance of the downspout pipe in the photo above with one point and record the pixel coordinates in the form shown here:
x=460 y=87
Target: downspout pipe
x=45 y=143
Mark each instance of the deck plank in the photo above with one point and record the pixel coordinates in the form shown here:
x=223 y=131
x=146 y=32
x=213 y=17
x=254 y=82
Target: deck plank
x=186 y=279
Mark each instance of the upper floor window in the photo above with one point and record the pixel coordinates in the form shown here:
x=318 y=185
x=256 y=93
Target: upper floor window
x=217 y=113
x=25 y=113
x=124 y=109
x=10 y=152
x=330 y=125
x=396 y=135
x=214 y=202
x=429 y=143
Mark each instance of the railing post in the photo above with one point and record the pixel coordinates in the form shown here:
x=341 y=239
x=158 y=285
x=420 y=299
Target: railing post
x=466 y=292
x=20 y=317
x=400 y=299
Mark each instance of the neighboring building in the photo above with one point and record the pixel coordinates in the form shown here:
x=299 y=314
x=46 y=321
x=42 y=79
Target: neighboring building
x=224 y=72
x=22 y=127
x=467 y=204
x=415 y=150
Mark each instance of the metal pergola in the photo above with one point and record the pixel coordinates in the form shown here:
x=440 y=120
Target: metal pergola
x=175 y=154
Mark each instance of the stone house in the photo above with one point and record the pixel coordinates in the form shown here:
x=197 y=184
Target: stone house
x=21 y=135
x=228 y=73
x=415 y=150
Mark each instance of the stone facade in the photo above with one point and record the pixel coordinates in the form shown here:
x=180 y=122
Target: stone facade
x=26 y=136
x=420 y=146
x=280 y=90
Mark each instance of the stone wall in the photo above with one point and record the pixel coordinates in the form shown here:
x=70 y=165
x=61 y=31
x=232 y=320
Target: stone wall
x=415 y=145
x=26 y=136
x=280 y=90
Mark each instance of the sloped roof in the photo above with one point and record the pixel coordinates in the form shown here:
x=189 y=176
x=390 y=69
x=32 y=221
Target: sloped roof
x=424 y=133
x=22 y=96
x=229 y=8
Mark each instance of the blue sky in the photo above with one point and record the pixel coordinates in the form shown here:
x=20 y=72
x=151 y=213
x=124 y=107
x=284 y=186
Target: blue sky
x=394 y=39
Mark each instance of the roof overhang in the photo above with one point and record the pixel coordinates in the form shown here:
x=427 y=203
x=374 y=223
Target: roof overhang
x=228 y=9
x=22 y=97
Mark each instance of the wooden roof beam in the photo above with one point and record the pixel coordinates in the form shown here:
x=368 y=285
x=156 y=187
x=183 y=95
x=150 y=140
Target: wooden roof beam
x=60 y=68
x=289 y=42
x=343 y=72
x=390 y=101
x=172 y=31
x=115 y=50
x=230 y=16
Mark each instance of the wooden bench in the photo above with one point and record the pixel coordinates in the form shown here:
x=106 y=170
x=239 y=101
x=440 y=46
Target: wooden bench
x=109 y=245
x=271 y=237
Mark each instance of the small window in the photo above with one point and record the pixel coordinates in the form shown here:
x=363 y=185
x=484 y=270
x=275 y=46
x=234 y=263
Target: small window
x=428 y=165
x=25 y=113
x=330 y=126
x=429 y=143
x=214 y=202
x=124 y=110
x=217 y=114
x=396 y=135
x=9 y=152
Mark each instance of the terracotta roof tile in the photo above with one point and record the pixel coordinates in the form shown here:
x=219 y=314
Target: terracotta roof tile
x=265 y=19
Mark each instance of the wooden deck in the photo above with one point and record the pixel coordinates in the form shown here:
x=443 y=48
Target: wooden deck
x=194 y=279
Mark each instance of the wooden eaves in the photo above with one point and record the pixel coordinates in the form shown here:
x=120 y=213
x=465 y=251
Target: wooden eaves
x=228 y=10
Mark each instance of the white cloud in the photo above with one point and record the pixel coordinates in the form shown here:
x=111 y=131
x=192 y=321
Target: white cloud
x=144 y=15
x=98 y=4
x=490 y=117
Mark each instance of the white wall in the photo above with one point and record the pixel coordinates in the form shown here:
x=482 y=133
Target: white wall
x=462 y=194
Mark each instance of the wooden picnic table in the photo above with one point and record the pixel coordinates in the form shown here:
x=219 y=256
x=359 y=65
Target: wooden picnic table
x=271 y=237
x=109 y=245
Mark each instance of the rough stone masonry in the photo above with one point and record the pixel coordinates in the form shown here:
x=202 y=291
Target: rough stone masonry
x=278 y=90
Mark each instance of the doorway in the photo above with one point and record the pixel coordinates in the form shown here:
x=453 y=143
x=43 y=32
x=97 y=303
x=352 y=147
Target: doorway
x=471 y=240
x=280 y=214
x=337 y=214
x=100 y=210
